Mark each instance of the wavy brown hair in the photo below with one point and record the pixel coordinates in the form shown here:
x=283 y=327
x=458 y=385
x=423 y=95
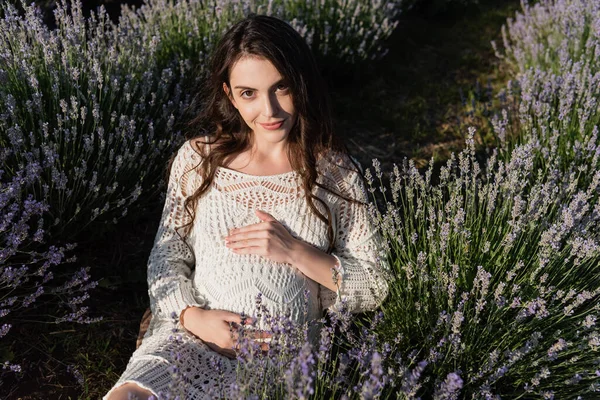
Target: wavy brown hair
x=311 y=137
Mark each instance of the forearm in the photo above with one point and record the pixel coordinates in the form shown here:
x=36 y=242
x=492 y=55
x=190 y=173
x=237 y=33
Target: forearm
x=315 y=264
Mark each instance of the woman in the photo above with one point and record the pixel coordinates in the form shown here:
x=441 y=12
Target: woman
x=271 y=203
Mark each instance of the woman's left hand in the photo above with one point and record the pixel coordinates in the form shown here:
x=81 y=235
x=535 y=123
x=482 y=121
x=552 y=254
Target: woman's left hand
x=268 y=238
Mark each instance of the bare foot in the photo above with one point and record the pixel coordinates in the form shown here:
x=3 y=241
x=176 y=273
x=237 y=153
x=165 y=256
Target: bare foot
x=130 y=391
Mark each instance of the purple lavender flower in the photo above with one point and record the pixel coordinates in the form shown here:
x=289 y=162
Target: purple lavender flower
x=449 y=388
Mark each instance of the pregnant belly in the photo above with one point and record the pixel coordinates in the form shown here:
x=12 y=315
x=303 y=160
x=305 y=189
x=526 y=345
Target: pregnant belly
x=281 y=289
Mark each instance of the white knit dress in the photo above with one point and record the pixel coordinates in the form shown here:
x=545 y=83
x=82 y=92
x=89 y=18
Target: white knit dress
x=213 y=277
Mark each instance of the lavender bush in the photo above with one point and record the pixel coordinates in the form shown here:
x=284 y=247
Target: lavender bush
x=97 y=122
x=344 y=32
x=497 y=273
x=77 y=123
x=28 y=277
x=498 y=263
x=548 y=33
x=552 y=48
x=434 y=7
x=296 y=367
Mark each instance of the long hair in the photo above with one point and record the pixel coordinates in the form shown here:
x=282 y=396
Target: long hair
x=311 y=137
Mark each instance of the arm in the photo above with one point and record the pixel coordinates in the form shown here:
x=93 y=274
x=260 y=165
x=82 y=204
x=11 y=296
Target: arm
x=314 y=263
x=363 y=271
x=171 y=261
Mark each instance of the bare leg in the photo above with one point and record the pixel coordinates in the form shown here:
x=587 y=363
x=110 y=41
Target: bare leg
x=122 y=392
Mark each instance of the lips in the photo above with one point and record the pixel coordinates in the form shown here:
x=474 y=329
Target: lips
x=272 y=126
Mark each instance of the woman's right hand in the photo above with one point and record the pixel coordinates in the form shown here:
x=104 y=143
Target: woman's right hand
x=218 y=329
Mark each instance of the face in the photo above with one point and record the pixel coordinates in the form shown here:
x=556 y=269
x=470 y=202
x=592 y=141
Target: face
x=262 y=96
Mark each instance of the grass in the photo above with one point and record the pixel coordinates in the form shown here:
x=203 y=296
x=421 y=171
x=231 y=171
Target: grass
x=407 y=105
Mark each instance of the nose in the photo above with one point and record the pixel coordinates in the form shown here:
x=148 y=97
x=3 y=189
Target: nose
x=271 y=105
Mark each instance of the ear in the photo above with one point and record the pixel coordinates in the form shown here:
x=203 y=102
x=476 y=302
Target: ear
x=228 y=94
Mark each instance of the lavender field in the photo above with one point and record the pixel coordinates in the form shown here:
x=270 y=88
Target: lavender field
x=488 y=198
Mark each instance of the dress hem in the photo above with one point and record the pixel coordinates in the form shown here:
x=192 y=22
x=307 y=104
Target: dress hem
x=135 y=373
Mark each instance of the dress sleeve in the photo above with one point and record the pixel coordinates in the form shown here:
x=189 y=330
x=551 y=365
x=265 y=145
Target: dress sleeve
x=362 y=278
x=171 y=261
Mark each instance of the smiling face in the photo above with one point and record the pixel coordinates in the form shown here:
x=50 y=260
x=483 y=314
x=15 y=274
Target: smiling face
x=262 y=96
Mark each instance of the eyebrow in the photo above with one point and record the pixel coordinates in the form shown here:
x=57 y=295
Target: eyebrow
x=249 y=88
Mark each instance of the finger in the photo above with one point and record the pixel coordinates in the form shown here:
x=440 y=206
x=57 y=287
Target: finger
x=249 y=334
x=254 y=234
x=265 y=216
x=247 y=227
x=243 y=240
x=252 y=242
x=237 y=319
x=264 y=347
x=262 y=335
x=232 y=317
x=249 y=250
x=249 y=320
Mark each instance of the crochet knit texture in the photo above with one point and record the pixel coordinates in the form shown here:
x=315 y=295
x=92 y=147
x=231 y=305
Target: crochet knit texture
x=207 y=274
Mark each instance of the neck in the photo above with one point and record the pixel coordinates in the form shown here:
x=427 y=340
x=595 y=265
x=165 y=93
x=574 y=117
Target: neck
x=265 y=150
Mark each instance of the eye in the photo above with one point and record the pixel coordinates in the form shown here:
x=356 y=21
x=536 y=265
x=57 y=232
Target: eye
x=245 y=91
x=281 y=87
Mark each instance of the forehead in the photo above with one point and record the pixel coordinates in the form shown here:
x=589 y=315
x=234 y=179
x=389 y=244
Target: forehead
x=253 y=70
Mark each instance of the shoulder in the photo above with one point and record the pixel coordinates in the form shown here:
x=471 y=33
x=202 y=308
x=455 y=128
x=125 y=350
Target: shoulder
x=191 y=152
x=340 y=160
x=199 y=146
x=343 y=172
x=185 y=159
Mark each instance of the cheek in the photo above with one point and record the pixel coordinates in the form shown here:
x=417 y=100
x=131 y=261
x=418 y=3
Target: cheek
x=288 y=107
x=248 y=113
